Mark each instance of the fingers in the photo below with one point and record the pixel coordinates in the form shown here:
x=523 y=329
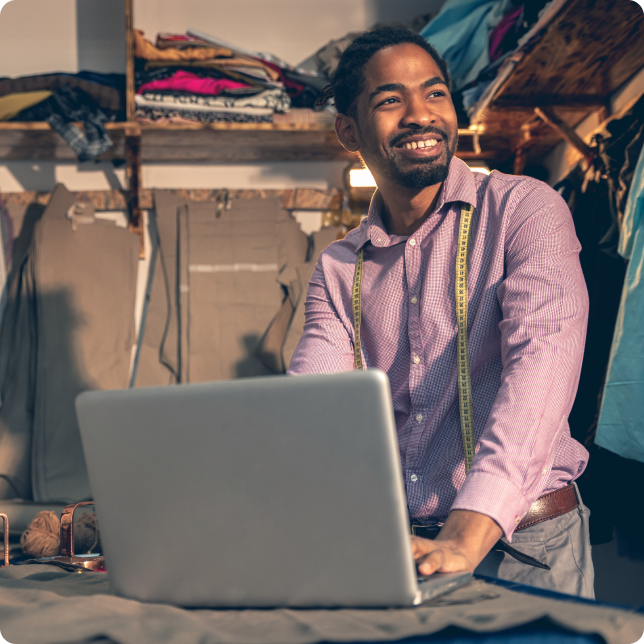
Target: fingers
x=438 y=556
x=431 y=562
x=420 y=546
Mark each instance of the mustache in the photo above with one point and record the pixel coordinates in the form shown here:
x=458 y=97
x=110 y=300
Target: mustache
x=420 y=131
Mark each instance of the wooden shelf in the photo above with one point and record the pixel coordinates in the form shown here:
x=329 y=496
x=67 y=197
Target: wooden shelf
x=212 y=143
x=588 y=51
x=571 y=66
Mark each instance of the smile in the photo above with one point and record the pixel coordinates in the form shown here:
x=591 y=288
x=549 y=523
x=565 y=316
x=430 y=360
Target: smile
x=430 y=143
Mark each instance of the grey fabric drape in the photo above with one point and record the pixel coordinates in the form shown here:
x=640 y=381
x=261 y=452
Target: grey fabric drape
x=68 y=327
x=215 y=288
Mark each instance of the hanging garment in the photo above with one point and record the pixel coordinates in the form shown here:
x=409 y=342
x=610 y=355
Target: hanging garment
x=214 y=289
x=68 y=327
x=620 y=427
x=506 y=34
x=63 y=107
x=285 y=330
x=460 y=33
x=596 y=198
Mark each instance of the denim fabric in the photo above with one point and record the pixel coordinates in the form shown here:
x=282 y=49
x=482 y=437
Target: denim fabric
x=460 y=33
x=620 y=422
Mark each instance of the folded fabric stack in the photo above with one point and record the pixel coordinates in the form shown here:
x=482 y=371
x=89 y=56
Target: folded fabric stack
x=60 y=99
x=195 y=77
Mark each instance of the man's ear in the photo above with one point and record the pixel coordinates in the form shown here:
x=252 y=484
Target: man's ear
x=347 y=132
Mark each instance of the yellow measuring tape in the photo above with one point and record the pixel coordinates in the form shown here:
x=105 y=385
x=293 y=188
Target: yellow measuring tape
x=463 y=375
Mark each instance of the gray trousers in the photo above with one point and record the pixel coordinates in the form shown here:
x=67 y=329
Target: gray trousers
x=563 y=543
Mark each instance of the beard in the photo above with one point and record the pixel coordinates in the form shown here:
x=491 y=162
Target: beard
x=419 y=173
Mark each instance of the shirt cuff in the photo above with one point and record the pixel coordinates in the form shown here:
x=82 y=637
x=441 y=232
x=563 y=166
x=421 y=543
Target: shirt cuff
x=495 y=497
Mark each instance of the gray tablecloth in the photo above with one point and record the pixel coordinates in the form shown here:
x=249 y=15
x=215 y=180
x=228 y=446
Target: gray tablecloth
x=49 y=606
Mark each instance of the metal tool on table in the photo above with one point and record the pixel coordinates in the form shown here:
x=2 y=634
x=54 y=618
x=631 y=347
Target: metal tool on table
x=5 y=522
x=68 y=560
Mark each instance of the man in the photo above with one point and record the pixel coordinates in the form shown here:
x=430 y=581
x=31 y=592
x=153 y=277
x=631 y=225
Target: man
x=526 y=325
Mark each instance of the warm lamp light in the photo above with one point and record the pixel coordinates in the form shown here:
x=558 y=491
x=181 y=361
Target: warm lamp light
x=361 y=178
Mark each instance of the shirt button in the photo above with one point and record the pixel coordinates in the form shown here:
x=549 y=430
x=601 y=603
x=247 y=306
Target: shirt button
x=414 y=478
x=416 y=359
x=544 y=470
x=419 y=417
x=412 y=242
x=517 y=520
x=414 y=300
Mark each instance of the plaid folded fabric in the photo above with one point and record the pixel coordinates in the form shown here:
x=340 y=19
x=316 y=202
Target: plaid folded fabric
x=65 y=106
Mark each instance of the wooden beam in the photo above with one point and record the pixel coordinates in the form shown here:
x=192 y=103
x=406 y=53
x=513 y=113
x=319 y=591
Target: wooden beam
x=549 y=117
x=519 y=161
x=133 y=171
x=129 y=60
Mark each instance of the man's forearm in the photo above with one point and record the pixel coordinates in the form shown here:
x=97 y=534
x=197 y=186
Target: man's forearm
x=461 y=545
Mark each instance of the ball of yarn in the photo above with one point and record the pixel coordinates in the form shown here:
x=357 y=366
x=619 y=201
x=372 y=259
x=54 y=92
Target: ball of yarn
x=42 y=537
x=87 y=538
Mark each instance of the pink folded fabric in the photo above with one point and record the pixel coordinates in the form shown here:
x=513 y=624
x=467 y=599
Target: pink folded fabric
x=183 y=81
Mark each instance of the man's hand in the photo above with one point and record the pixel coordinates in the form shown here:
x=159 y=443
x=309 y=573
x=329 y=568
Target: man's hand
x=460 y=546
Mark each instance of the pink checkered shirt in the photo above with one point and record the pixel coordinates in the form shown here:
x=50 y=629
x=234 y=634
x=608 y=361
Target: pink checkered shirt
x=528 y=307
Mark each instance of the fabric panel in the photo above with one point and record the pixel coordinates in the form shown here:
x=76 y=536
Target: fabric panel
x=86 y=282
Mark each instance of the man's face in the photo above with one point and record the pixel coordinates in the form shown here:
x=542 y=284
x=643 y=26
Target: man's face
x=406 y=120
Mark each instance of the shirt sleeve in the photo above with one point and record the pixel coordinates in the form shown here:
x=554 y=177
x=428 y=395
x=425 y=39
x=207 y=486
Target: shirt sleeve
x=544 y=305
x=326 y=345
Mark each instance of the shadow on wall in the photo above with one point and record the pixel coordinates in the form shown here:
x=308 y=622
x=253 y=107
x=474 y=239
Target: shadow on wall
x=100 y=29
x=250 y=365
x=41 y=176
x=39 y=380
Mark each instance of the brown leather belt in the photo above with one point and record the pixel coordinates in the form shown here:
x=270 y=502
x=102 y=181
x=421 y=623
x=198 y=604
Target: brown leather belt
x=548 y=506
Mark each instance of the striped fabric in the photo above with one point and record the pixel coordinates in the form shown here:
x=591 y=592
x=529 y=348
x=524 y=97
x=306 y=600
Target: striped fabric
x=528 y=308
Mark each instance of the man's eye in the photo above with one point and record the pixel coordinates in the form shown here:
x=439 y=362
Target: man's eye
x=389 y=101
x=437 y=94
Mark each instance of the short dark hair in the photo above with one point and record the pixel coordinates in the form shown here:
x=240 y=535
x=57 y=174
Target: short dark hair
x=348 y=80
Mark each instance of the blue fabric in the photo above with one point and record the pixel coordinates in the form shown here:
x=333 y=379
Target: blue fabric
x=460 y=33
x=540 y=635
x=621 y=427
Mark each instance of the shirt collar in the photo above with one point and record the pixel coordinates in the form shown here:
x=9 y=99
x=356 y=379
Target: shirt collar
x=459 y=186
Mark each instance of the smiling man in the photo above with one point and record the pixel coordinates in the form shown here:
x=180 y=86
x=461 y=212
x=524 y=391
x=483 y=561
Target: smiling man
x=509 y=244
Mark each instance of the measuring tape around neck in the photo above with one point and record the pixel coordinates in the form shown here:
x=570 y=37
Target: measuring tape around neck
x=463 y=375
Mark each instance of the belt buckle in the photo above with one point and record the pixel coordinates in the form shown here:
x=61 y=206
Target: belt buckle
x=417 y=527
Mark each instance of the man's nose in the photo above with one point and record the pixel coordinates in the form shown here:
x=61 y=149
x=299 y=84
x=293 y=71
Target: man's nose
x=417 y=113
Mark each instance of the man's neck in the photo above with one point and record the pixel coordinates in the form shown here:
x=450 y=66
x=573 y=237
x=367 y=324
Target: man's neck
x=406 y=210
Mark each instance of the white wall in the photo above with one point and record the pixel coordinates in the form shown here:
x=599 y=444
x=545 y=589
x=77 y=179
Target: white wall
x=43 y=36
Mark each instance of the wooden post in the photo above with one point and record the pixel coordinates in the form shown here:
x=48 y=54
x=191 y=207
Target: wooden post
x=129 y=61
x=519 y=160
x=549 y=117
x=133 y=129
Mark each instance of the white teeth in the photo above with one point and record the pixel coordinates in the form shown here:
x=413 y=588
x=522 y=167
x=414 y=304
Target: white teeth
x=421 y=144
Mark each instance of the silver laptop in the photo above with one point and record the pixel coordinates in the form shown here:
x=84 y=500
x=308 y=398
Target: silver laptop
x=262 y=492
